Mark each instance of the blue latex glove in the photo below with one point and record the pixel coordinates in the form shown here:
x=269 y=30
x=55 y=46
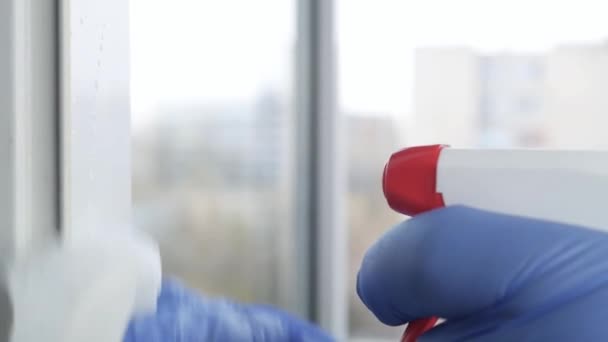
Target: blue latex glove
x=184 y=316
x=493 y=277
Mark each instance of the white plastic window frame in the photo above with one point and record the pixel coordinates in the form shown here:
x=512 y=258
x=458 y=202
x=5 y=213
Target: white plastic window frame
x=95 y=116
x=29 y=111
x=29 y=149
x=64 y=97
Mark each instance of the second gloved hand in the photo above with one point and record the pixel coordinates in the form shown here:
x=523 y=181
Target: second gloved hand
x=185 y=316
x=493 y=277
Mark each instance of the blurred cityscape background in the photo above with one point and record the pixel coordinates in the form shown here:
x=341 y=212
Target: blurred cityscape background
x=554 y=99
x=213 y=126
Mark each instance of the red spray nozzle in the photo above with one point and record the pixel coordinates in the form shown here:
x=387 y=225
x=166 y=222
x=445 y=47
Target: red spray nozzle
x=410 y=179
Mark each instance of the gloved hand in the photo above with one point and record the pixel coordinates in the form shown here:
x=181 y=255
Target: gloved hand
x=184 y=316
x=492 y=277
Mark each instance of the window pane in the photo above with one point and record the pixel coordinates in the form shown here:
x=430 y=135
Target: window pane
x=470 y=73
x=211 y=114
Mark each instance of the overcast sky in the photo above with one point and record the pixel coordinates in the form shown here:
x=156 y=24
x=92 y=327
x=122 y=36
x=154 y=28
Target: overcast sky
x=202 y=51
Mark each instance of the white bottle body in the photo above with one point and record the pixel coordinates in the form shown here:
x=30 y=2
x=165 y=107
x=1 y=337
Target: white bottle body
x=563 y=186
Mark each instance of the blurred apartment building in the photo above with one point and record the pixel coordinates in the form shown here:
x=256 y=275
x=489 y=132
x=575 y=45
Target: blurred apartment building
x=236 y=147
x=556 y=99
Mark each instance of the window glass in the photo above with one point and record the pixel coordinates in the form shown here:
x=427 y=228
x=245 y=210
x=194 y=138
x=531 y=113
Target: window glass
x=212 y=114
